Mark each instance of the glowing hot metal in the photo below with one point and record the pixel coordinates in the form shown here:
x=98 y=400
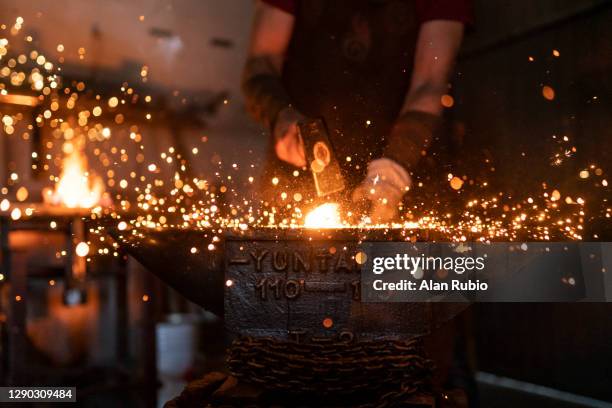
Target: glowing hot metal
x=324 y=216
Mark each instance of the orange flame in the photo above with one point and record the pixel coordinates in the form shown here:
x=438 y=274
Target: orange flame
x=76 y=188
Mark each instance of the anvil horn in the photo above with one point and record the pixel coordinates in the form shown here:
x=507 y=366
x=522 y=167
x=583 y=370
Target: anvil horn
x=197 y=276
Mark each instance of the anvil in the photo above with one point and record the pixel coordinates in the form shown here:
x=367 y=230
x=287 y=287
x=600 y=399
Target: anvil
x=298 y=285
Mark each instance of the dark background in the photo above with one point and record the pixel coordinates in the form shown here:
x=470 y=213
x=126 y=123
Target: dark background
x=501 y=110
x=195 y=49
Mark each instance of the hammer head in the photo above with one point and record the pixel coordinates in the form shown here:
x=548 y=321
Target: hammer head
x=320 y=157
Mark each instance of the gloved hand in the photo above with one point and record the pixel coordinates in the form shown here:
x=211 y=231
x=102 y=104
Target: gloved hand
x=384 y=186
x=288 y=143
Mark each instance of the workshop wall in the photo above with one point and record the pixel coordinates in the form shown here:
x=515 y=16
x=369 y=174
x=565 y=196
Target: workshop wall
x=504 y=117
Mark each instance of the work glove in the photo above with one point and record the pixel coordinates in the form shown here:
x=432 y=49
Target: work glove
x=288 y=143
x=383 y=188
x=387 y=178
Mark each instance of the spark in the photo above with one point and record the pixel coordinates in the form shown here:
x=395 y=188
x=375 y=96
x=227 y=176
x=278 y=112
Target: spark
x=82 y=249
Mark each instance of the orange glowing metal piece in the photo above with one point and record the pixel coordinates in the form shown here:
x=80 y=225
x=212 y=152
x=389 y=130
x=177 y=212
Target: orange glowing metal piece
x=324 y=216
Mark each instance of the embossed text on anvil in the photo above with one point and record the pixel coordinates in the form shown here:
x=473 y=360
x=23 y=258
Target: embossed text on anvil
x=291 y=260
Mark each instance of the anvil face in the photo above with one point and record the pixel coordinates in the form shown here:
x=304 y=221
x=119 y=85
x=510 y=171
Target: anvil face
x=308 y=290
x=288 y=285
x=291 y=289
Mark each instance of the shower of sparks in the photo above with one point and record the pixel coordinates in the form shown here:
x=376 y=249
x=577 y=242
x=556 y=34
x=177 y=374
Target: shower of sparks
x=157 y=193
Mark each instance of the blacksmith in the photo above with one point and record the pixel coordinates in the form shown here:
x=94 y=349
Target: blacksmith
x=374 y=70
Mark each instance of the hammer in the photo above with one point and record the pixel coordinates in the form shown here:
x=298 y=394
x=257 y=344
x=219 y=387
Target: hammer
x=320 y=157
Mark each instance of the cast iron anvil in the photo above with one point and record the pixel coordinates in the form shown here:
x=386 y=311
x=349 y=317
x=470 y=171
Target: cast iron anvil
x=290 y=285
x=292 y=297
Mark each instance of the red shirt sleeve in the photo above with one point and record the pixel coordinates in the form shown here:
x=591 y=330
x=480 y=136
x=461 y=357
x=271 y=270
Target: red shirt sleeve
x=285 y=5
x=457 y=10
